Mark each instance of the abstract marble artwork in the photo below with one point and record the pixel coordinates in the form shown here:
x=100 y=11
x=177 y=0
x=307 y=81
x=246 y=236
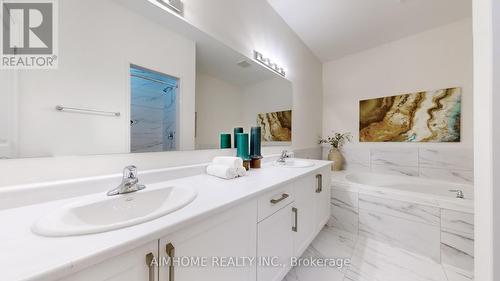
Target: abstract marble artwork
x=432 y=116
x=276 y=126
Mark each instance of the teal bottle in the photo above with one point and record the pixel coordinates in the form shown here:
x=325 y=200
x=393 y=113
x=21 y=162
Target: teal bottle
x=237 y=130
x=255 y=145
x=225 y=141
x=242 y=150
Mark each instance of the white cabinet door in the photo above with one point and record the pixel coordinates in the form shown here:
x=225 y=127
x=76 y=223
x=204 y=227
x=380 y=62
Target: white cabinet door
x=207 y=250
x=323 y=182
x=131 y=266
x=275 y=245
x=305 y=204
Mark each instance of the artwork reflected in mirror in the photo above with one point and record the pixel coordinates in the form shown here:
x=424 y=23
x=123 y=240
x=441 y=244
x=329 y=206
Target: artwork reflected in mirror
x=429 y=116
x=222 y=105
x=276 y=126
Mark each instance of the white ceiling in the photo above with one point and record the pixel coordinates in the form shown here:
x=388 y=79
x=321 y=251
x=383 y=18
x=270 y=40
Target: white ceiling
x=335 y=28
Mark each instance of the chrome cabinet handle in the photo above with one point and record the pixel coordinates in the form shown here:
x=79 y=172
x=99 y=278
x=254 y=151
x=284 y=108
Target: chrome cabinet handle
x=319 y=182
x=283 y=197
x=170 y=249
x=149 y=261
x=296 y=213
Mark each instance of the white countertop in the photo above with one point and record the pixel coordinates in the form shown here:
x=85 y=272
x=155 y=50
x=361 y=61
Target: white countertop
x=27 y=256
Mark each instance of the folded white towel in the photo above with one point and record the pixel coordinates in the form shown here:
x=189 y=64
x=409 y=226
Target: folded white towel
x=222 y=171
x=241 y=171
x=233 y=162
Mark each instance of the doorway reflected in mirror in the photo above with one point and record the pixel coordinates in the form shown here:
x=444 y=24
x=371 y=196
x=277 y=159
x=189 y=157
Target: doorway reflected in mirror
x=153 y=124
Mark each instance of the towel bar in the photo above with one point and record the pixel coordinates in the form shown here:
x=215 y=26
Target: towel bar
x=85 y=110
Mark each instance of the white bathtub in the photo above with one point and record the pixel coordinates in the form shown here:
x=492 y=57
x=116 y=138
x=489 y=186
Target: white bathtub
x=414 y=189
x=417 y=214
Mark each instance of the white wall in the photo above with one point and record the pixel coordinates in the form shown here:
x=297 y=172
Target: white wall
x=487 y=137
x=96 y=48
x=266 y=96
x=219 y=107
x=495 y=155
x=8 y=114
x=435 y=59
x=243 y=25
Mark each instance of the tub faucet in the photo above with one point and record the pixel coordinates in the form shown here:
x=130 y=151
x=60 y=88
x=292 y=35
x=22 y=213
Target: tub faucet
x=130 y=182
x=460 y=193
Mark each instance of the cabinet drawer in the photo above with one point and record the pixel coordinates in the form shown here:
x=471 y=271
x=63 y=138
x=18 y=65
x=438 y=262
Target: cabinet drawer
x=274 y=200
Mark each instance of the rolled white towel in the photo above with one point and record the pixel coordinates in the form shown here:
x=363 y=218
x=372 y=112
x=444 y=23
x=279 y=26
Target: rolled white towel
x=233 y=162
x=222 y=171
x=241 y=171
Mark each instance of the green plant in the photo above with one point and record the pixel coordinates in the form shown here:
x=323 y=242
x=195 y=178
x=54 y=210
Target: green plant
x=337 y=140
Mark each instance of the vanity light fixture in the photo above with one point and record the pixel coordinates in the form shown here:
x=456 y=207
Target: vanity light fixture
x=174 y=5
x=268 y=63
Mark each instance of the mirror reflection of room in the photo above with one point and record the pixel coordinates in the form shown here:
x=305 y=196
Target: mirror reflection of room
x=170 y=88
x=223 y=105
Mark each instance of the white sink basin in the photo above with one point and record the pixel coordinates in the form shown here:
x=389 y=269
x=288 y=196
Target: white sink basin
x=294 y=163
x=101 y=213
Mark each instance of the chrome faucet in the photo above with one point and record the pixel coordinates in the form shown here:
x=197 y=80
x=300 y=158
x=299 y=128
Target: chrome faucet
x=284 y=155
x=460 y=193
x=130 y=182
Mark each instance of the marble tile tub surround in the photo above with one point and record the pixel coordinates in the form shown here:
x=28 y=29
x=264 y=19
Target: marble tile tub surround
x=457 y=239
x=442 y=235
x=344 y=210
x=445 y=163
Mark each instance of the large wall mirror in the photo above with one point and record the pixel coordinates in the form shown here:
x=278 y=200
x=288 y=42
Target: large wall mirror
x=145 y=82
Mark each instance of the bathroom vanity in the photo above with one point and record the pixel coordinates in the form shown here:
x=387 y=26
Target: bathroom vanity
x=232 y=230
x=164 y=89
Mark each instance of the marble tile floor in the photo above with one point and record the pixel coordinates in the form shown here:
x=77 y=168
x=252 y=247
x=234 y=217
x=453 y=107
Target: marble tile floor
x=370 y=260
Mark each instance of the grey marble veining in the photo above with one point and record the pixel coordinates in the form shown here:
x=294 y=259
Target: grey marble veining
x=371 y=260
x=377 y=261
x=458 y=222
x=344 y=210
x=401 y=209
x=455 y=274
x=457 y=239
x=395 y=157
x=447 y=158
x=395 y=170
x=330 y=243
x=457 y=251
x=420 y=238
x=356 y=159
x=459 y=176
x=146 y=95
x=316 y=274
